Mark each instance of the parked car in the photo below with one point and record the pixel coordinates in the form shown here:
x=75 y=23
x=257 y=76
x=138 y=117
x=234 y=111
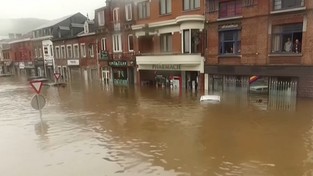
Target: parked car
x=259 y=89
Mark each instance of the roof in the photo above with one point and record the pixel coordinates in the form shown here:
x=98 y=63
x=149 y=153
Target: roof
x=77 y=25
x=54 y=22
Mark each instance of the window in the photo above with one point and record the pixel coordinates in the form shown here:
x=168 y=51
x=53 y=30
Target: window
x=91 y=50
x=51 y=50
x=191 y=41
x=76 y=51
x=130 y=42
x=115 y=15
x=69 y=51
x=101 y=18
x=86 y=28
x=83 y=49
x=63 y=53
x=165 y=7
x=36 y=54
x=230 y=8
x=143 y=10
x=212 y=5
x=166 y=42
x=248 y=3
x=40 y=52
x=103 y=44
x=128 y=12
x=287 y=38
x=287 y=4
x=45 y=50
x=191 y=4
x=230 y=42
x=117 y=43
x=57 y=52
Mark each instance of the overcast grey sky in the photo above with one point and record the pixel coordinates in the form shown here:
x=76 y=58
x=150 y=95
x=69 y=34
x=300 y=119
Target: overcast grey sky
x=47 y=9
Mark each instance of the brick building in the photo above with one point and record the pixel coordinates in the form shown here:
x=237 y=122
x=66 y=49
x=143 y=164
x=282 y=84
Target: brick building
x=167 y=42
x=75 y=55
x=267 y=39
x=115 y=41
x=20 y=53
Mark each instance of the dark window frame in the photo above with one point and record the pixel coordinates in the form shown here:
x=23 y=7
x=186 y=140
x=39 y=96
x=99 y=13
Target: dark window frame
x=230 y=8
x=230 y=46
x=280 y=35
x=287 y=4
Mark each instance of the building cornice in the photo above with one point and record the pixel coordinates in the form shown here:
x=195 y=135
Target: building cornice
x=177 y=20
x=20 y=40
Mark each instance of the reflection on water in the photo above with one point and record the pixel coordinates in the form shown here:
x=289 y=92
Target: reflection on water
x=94 y=129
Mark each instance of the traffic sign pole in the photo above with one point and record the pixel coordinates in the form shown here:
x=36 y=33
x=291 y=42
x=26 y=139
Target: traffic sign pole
x=40 y=113
x=38 y=101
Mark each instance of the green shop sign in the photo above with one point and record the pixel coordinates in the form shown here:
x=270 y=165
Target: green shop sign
x=166 y=66
x=104 y=55
x=118 y=63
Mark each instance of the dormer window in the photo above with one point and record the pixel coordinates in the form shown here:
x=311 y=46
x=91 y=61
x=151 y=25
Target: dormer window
x=86 y=28
x=116 y=14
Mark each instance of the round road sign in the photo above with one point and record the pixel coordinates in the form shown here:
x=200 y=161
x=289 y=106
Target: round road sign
x=38 y=102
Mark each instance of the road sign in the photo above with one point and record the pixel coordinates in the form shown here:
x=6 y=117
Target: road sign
x=38 y=102
x=57 y=76
x=37 y=85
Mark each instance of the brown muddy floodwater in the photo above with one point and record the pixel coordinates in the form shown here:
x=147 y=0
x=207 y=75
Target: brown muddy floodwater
x=95 y=130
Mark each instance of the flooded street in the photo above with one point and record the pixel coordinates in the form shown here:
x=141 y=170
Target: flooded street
x=92 y=129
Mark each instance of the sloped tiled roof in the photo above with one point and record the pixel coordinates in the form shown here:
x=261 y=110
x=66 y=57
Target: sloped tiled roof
x=54 y=22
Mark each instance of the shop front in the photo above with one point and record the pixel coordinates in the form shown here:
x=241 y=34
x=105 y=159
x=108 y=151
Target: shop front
x=122 y=72
x=39 y=68
x=174 y=71
x=73 y=69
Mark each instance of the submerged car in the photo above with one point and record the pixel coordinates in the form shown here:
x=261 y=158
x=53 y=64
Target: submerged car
x=259 y=89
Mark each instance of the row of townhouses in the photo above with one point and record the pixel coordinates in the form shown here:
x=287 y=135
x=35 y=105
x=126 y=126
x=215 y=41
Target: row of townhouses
x=186 y=44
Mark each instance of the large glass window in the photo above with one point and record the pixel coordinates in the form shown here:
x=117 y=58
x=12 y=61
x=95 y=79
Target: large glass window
x=230 y=42
x=230 y=8
x=143 y=9
x=83 y=49
x=166 y=42
x=191 y=41
x=287 y=4
x=69 y=51
x=101 y=20
x=191 y=4
x=116 y=15
x=165 y=7
x=57 y=52
x=76 y=51
x=130 y=42
x=287 y=38
x=103 y=44
x=91 y=50
x=128 y=12
x=117 y=43
x=63 y=53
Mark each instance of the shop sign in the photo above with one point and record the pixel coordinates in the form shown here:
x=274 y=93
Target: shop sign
x=72 y=62
x=49 y=62
x=229 y=26
x=104 y=55
x=118 y=63
x=166 y=66
x=21 y=65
